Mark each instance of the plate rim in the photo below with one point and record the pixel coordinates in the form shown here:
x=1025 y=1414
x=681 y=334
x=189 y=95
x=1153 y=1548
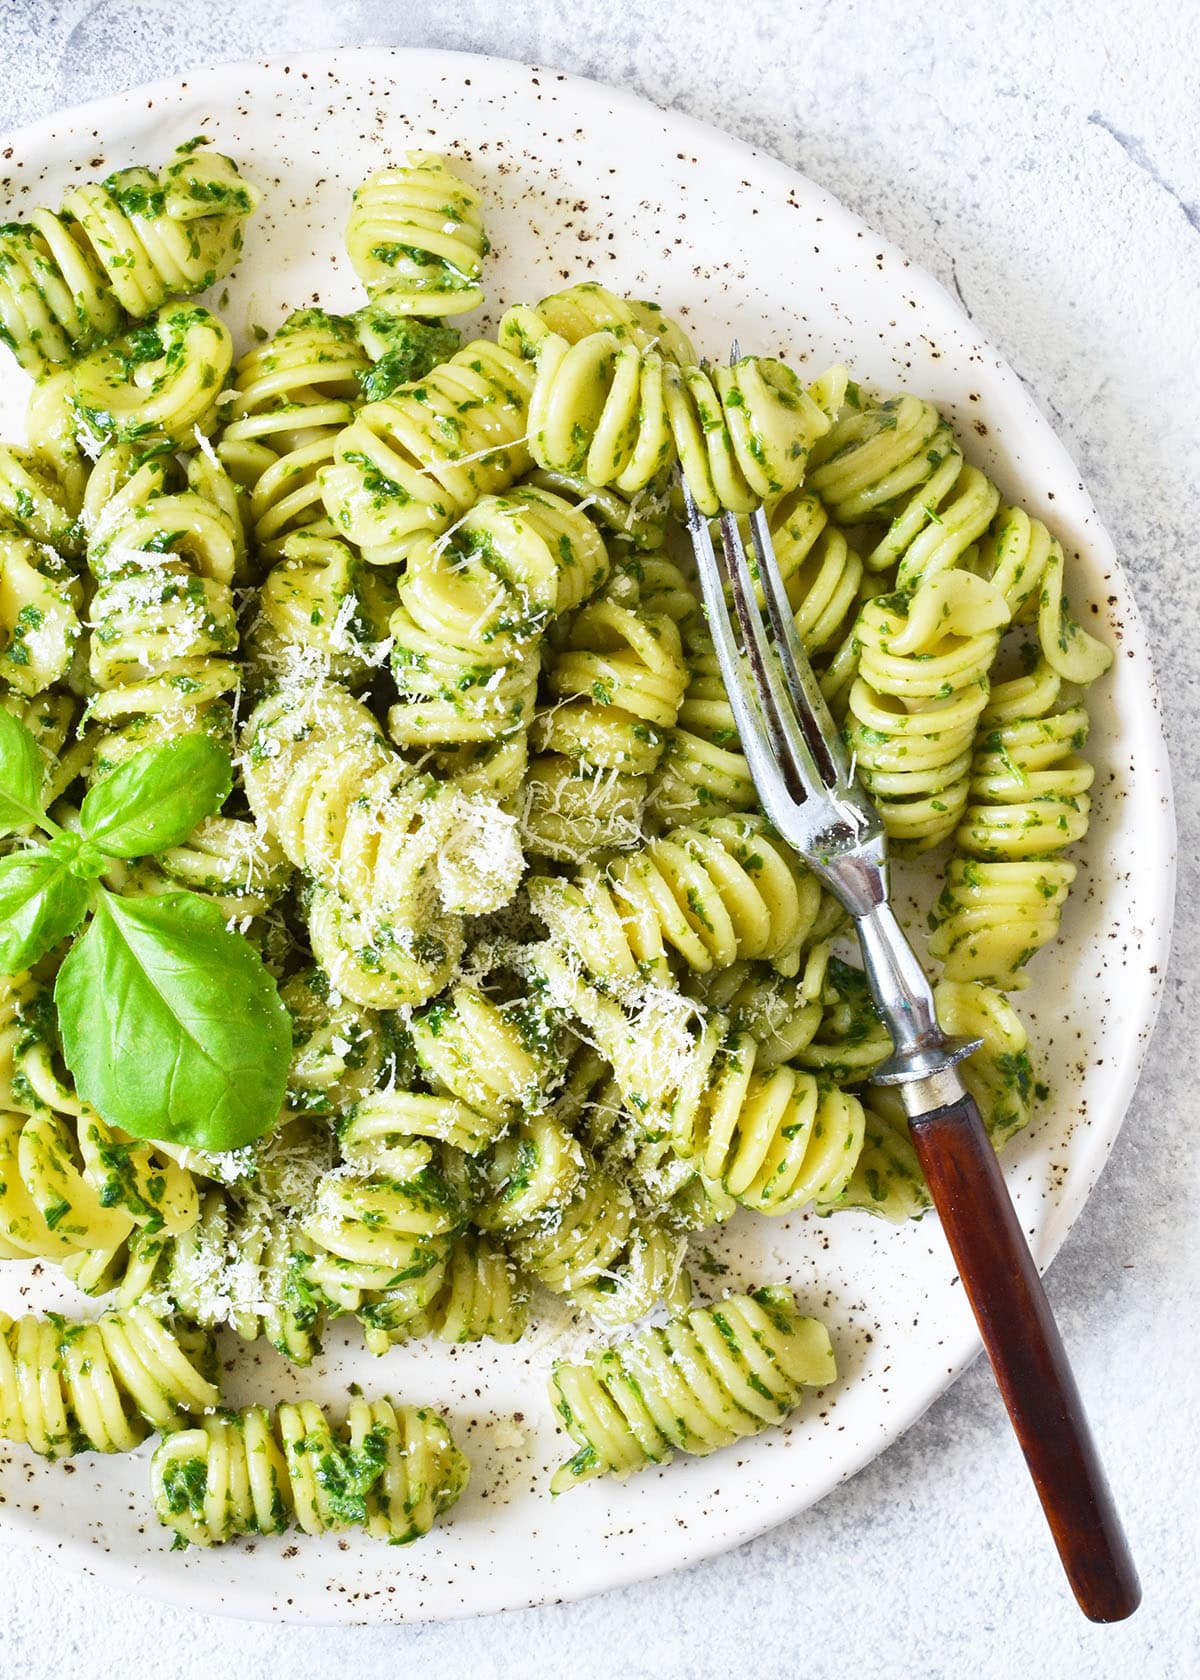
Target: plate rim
x=213 y=80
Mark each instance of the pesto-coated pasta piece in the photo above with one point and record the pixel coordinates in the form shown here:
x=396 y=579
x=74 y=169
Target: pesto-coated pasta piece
x=71 y=1182
x=371 y=1232
x=339 y=1049
x=1026 y=563
x=620 y=415
x=118 y=248
x=579 y=310
x=241 y=1264
x=472 y=608
x=162 y=379
x=887 y=1179
x=914 y=707
x=774 y=1139
x=702 y=1381
x=615 y=684
x=36 y=502
x=898 y=461
x=397 y=855
x=68 y=1387
x=416 y=238
x=498 y=1058
x=40 y=604
x=164 y=554
x=291 y=397
x=876 y=454
x=612 y=683
x=722 y=891
x=389 y=1469
x=1007 y=882
x=477 y=1295
x=411 y=464
x=56 y=446
x=320 y=612
x=231 y=860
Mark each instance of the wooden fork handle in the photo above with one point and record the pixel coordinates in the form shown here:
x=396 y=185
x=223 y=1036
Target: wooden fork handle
x=1027 y=1355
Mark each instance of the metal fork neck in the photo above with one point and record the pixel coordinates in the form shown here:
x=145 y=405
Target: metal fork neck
x=904 y=997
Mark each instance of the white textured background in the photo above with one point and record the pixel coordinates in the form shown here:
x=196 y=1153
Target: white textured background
x=1044 y=161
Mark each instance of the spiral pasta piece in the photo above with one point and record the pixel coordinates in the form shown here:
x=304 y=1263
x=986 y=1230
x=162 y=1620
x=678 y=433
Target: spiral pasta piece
x=616 y=684
x=321 y=613
x=702 y=1381
x=411 y=464
x=339 y=1049
x=70 y=1181
x=164 y=626
x=241 y=1265
x=620 y=415
x=569 y=1223
x=416 y=238
x=612 y=688
x=887 y=1179
x=587 y=308
x=40 y=604
x=57 y=449
x=291 y=397
x=774 y=1138
x=118 y=247
x=1026 y=564
x=478 y=1295
x=35 y=502
x=391 y=1470
x=497 y=1058
x=162 y=379
x=465 y=633
x=914 y=707
x=876 y=454
x=898 y=461
x=716 y=893
x=848 y=1041
x=375 y=1233
x=396 y=855
x=233 y=862
x=68 y=1387
x=1007 y=883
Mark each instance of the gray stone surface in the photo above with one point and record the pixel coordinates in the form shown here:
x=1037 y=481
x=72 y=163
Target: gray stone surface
x=1044 y=161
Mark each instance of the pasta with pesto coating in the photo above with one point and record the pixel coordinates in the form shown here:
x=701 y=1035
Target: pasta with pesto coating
x=416 y=238
x=390 y=1470
x=703 y=1380
x=562 y=1002
x=116 y=249
x=412 y=463
x=164 y=626
x=68 y=1387
x=1007 y=882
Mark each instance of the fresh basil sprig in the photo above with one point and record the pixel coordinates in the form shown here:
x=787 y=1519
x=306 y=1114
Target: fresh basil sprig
x=170 y=1024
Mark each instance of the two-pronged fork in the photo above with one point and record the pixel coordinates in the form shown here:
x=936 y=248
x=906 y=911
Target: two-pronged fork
x=809 y=791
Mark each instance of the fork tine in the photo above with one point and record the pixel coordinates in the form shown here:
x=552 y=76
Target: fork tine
x=819 y=730
x=795 y=759
x=763 y=754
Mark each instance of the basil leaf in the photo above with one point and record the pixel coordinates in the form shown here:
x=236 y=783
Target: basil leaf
x=41 y=902
x=21 y=774
x=171 y=1025
x=158 y=796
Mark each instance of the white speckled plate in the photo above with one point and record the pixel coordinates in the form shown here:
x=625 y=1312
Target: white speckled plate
x=586 y=182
